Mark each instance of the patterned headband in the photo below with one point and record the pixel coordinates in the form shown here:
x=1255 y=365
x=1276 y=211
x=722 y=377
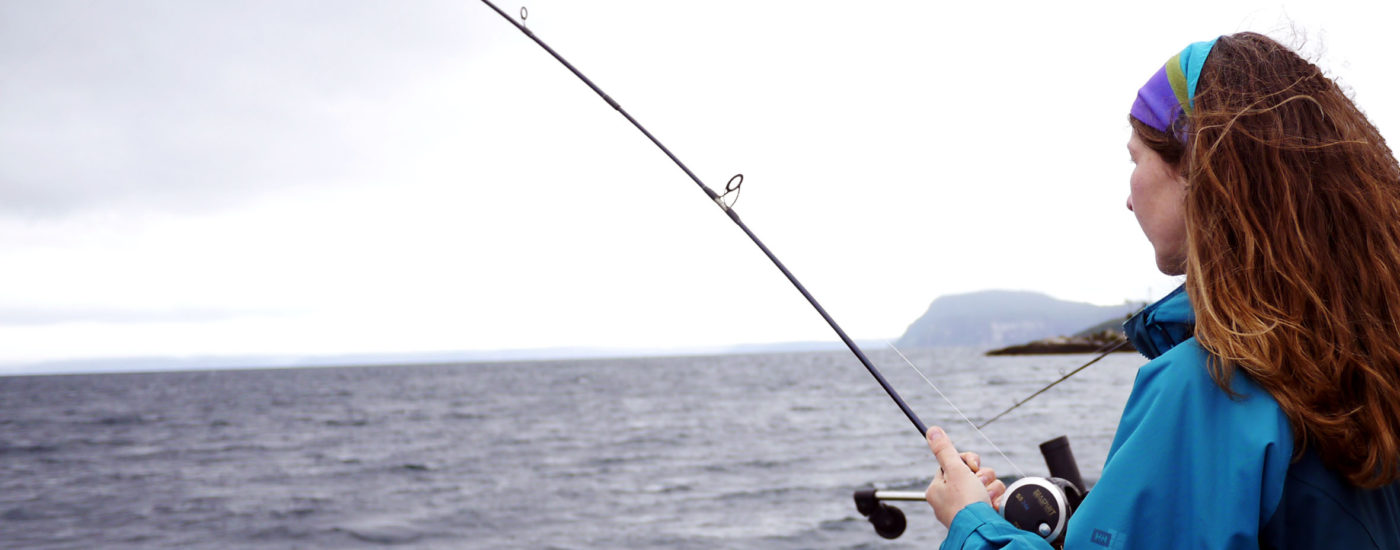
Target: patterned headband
x=1172 y=90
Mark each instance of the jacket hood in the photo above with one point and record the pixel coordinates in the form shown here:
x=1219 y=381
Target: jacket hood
x=1162 y=325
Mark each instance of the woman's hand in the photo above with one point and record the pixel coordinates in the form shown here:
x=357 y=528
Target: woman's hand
x=961 y=480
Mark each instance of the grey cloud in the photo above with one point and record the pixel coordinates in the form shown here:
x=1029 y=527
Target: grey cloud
x=200 y=104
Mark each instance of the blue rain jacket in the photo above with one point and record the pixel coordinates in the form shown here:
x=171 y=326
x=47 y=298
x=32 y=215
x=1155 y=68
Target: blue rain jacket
x=1191 y=467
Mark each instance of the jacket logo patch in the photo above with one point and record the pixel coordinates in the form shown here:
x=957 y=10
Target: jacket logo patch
x=1101 y=538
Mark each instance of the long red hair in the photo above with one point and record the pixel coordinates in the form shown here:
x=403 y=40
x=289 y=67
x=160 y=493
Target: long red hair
x=1293 y=237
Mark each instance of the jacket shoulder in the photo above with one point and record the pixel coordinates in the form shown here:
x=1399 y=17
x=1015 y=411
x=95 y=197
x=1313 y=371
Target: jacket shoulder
x=1184 y=444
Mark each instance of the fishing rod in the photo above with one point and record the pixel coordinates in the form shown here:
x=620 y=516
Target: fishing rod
x=728 y=209
x=1054 y=495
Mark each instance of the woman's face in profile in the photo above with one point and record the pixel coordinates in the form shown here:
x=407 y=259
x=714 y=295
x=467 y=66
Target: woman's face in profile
x=1157 y=197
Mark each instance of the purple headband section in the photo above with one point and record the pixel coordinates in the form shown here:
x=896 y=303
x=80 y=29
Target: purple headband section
x=1156 y=103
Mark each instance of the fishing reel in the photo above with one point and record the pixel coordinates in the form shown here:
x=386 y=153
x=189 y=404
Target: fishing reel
x=1040 y=505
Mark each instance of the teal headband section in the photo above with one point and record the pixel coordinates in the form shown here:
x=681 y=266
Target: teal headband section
x=1192 y=59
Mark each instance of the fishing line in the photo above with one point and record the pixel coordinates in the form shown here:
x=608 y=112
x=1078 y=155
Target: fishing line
x=732 y=187
x=975 y=427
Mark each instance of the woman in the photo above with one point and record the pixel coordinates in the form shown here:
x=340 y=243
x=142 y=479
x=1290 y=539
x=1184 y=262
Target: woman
x=1269 y=414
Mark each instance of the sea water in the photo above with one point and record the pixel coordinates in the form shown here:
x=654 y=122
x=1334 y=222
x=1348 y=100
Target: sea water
x=724 y=451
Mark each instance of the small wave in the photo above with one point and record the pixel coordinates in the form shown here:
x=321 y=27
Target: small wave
x=7 y=449
x=668 y=488
x=236 y=447
x=414 y=467
x=280 y=532
x=121 y=420
x=387 y=533
x=759 y=464
x=294 y=513
x=112 y=442
x=770 y=494
x=841 y=524
x=608 y=463
x=20 y=514
x=352 y=422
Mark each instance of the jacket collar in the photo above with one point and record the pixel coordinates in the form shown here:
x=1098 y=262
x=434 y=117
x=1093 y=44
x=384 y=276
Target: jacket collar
x=1161 y=326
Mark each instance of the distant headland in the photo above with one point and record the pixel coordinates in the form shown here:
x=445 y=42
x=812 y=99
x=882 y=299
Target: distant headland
x=1018 y=322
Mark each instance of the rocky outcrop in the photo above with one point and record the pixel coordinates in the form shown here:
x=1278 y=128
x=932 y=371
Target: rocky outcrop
x=1093 y=343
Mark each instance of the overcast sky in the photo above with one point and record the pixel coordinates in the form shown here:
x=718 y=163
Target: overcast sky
x=197 y=178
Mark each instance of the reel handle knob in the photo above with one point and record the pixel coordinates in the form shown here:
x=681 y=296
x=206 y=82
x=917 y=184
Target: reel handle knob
x=889 y=521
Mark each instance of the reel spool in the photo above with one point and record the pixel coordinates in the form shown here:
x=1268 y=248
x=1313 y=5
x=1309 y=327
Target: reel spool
x=1044 y=505
x=1040 y=505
